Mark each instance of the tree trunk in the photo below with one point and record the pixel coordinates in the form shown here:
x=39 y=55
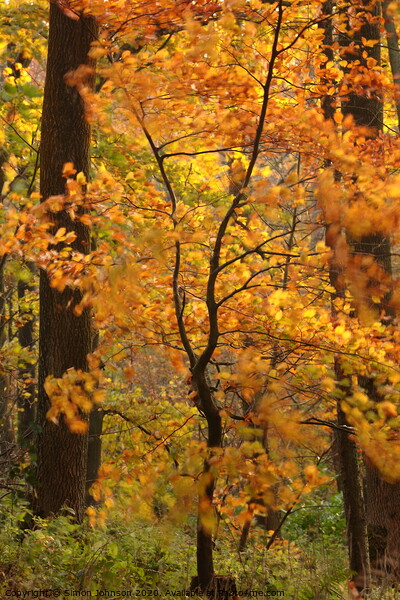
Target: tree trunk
x=6 y=434
x=6 y=424
x=347 y=453
x=206 y=511
x=394 y=52
x=64 y=338
x=383 y=514
x=94 y=451
x=354 y=501
x=26 y=375
x=383 y=499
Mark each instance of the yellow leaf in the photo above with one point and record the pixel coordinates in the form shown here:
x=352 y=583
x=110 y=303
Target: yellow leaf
x=387 y=409
x=60 y=233
x=224 y=375
x=338 y=117
x=68 y=169
x=81 y=178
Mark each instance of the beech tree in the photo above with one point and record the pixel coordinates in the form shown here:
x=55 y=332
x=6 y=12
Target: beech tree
x=217 y=127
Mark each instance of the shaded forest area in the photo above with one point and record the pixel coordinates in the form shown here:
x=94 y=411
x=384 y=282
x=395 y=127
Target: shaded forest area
x=199 y=296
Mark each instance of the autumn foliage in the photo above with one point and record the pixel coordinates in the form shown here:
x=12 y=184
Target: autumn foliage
x=221 y=199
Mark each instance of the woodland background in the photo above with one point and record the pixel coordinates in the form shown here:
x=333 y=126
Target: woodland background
x=199 y=294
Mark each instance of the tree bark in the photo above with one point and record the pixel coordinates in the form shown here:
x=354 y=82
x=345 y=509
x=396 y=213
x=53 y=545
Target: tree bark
x=94 y=451
x=206 y=511
x=382 y=498
x=64 y=338
x=347 y=453
x=394 y=52
x=6 y=423
x=383 y=514
x=26 y=393
x=354 y=501
x=6 y=431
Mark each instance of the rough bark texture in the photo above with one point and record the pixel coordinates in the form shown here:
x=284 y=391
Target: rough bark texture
x=383 y=514
x=383 y=499
x=366 y=108
x=354 y=503
x=349 y=476
x=65 y=339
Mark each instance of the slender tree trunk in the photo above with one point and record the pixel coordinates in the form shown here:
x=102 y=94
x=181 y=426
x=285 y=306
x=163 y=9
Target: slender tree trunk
x=96 y=419
x=206 y=511
x=6 y=437
x=26 y=375
x=94 y=451
x=6 y=425
x=65 y=339
x=354 y=501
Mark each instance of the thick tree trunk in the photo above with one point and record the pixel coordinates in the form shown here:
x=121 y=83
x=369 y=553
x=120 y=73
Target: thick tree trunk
x=383 y=499
x=65 y=339
x=349 y=476
x=383 y=513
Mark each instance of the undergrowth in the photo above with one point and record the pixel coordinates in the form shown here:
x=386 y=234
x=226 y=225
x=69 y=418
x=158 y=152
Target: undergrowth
x=137 y=558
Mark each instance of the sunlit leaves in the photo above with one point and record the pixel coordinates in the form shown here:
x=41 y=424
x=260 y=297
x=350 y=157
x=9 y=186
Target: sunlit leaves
x=73 y=395
x=177 y=127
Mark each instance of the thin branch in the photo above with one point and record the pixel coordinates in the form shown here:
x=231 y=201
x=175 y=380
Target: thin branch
x=18 y=134
x=35 y=170
x=164 y=440
x=214 y=262
x=255 y=251
x=246 y=285
x=199 y=152
x=315 y=421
